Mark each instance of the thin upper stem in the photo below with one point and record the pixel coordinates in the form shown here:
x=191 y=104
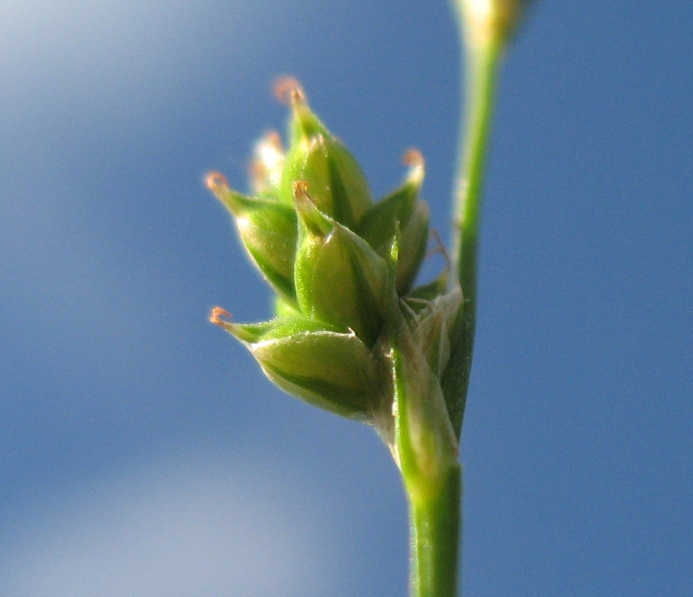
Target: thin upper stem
x=481 y=60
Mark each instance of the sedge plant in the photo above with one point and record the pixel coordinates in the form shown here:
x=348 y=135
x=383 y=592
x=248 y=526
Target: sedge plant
x=354 y=331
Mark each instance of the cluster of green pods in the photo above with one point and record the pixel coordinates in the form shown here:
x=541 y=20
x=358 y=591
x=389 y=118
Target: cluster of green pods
x=343 y=268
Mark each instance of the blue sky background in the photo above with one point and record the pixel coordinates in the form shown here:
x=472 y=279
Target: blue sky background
x=143 y=454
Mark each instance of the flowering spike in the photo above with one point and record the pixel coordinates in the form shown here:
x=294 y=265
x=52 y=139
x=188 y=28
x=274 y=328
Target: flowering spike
x=341 y=339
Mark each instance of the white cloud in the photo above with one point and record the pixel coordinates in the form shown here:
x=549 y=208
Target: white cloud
x=185 y=528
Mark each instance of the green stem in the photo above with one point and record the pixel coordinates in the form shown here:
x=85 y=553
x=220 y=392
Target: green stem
x=426 y=451
x=433 y=480
x=481 y=66
x=481 y=83
x=435 y=530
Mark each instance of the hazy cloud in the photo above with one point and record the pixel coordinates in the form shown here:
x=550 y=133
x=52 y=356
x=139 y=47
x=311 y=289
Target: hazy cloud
x=182 y=528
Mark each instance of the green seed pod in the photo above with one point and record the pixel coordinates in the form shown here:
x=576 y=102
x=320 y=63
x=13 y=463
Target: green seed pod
x=337 y=184
x=338 y=278
x=268 y=230
x=403 y=213
x=314 y=362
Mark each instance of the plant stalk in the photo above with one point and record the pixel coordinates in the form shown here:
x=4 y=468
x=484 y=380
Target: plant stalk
x=436 y=517
x=435 y=532
x=481 y=72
